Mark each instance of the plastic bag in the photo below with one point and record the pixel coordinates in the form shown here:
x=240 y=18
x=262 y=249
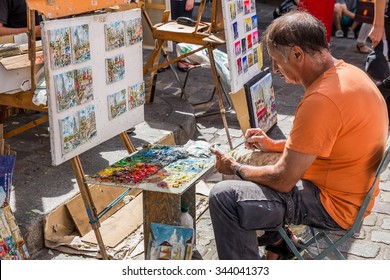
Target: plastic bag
x=202 y=58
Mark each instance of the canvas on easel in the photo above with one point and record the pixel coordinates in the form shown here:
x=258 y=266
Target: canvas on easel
x=261 y=101
x=94 y=79
x=242 y=41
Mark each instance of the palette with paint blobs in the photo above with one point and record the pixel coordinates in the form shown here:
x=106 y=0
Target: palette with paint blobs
x=159 y=168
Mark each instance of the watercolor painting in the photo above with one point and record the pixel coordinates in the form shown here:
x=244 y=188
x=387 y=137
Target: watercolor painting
x=117 y=104
x=235 y=30
x=136 y=95
x=250 y=59
x=65 y=91
x=84 y=86
x=248 y=24
x=261 y=101
x=245 y=64
x=239 y=66
x=253 y=6
x=80 y=43
x=78 y=128
x=254 y=21
x=114 y=35
x=255 y=37
x=255 y=56
x=59 y=48
x=170 y=242
x=232 y=10
x=243 y=45
x=247 y=7
x=237 y=48
x=240 y=6
x=133 y=31
x=249 y=41
x=115 y=69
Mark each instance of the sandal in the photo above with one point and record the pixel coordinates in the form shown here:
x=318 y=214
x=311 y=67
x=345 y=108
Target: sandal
x=363 y=48
x=282 y=248
x=186 y=67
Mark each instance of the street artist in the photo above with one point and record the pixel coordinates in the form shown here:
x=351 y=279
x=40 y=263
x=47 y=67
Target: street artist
x=328 y=161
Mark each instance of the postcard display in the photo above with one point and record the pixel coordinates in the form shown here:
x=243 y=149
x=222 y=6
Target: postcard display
x=242 y=38
x=94 y=79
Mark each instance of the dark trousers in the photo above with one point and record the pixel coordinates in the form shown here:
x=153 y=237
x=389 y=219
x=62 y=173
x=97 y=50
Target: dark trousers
x=239 y=208
x=178 y=9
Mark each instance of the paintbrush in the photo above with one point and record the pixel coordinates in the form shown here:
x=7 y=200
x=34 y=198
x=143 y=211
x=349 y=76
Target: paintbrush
x=246 y=139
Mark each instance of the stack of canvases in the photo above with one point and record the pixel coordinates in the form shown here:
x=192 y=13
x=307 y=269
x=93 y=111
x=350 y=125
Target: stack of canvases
x=12 y=246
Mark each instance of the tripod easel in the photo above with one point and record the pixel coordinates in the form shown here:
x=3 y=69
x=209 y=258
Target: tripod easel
x=208 y=35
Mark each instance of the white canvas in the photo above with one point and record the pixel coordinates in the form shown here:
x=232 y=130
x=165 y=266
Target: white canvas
x=88 y=118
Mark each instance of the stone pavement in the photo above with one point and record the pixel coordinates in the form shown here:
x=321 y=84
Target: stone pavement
x=39 y=195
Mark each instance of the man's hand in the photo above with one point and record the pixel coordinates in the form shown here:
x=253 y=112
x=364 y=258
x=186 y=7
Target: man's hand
x=189 y=5
x=223 y=162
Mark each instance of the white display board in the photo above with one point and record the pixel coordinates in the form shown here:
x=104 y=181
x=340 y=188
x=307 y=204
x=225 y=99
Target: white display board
x=93 y=67
x=242 y=41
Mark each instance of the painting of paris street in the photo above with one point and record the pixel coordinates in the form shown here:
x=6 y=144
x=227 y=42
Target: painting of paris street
x=59 y=47
x=115 y=69
x=65 y=91
x=114 y=35
x=80 y=43
x=78 y=128
x=133 y=31
x=84 y=86
x=117 y=104
x=136 y=95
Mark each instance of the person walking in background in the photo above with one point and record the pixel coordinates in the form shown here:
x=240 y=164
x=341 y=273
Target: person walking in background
x=182 y=8
x=13 y=18
x=332 y=135
x=362 y=38
x=343 y=15
x=381 y=29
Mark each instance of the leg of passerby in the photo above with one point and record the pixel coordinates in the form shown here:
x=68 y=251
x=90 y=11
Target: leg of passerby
x=362 y=38
x=337 y=14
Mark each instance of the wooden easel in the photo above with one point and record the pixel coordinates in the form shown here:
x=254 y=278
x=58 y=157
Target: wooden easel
x=207 y=35
x=49 y=9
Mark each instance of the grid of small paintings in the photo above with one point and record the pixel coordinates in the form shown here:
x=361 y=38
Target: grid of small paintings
x=243 y=40
x=89 y=78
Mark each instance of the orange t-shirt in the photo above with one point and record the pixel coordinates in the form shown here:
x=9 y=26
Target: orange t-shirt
x=342 y=119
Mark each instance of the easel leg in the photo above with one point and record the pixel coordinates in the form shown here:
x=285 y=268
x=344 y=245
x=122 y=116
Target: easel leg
x=88 y=202
x=219 y=91
x=127 y=142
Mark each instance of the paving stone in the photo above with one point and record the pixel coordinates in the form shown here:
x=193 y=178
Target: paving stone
x=381 y=207
x=387 y=254
x=380 y=236
x=370 y=220
x=364 y=249
x=385 y=186
x=385 y=197
x=386 y=224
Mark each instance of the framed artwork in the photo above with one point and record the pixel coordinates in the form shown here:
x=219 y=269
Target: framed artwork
x=261 y=100
x=117 y=104
x=136 y=95
x=115 y=69
x=80 y=43
x=88 y=75
x=59 y=47
x=170 y=242
x=115 y=35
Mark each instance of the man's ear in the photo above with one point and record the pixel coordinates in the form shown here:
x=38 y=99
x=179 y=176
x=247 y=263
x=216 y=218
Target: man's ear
x=297 y=53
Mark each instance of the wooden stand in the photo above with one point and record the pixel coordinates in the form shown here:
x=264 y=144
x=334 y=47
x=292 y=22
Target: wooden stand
x=207 y=35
